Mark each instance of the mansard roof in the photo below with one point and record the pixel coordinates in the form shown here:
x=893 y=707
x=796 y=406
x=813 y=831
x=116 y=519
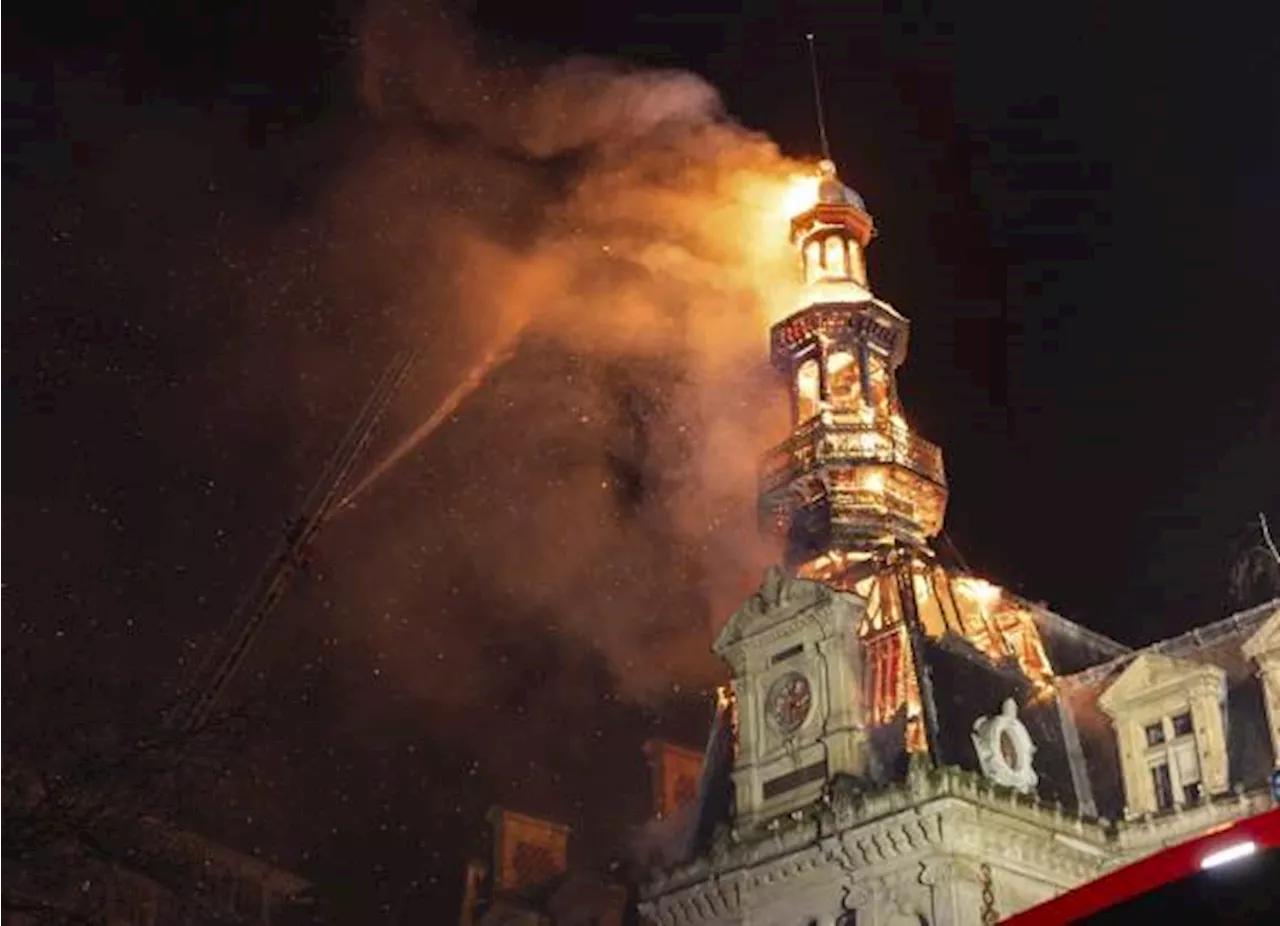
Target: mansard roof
x=1266 y=640
x=1221 y=645
x=967 y=686
x=1070 y=646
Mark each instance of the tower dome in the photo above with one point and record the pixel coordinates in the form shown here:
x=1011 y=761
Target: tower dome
x=834 y=193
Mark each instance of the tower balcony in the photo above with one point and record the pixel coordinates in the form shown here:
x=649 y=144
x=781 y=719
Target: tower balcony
x=848 y=440
x=852 y=483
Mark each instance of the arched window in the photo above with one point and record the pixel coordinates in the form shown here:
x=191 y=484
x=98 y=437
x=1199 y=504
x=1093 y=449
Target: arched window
x=812 y=261
x=807 y=390
x=878 y=378
x=842 y=380
x=835 y=258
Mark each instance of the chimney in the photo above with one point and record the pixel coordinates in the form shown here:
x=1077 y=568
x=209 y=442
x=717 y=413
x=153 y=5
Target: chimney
x=675 y=773
x=526 y=850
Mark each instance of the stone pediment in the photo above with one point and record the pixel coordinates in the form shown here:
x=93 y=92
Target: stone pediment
x=779 y=599
x=1266 y=640
x=1149 y=675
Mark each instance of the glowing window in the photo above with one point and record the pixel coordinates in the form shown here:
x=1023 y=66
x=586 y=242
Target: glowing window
x=807 y=390
x=842 y=379
x=812 y=261
x=835 y=259
x=878 y=375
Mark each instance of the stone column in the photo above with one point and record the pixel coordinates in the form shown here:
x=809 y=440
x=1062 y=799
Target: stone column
x=1269 y=675
x=1206 y=716
x=955 y=888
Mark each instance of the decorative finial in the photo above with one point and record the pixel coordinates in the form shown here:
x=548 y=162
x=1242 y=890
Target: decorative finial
x=817 y=98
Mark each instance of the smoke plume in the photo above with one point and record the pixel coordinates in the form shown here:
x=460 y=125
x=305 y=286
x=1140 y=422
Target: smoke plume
x=626 y=241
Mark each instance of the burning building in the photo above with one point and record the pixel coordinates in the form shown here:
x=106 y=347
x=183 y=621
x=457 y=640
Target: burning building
x=902 y=741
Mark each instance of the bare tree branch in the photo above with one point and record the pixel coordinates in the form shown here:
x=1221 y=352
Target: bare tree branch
x=1266 y=536
x=1255 y=575
x=83 y=812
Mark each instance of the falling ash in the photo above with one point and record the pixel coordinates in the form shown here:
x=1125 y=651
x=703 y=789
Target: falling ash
x=614 y=219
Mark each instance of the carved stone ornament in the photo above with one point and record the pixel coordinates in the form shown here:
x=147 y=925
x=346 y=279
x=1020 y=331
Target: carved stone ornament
x=779 y=598
x=1005 y=749
x=777 y=590
x=904 y=913
x=858 y=896
x=772 y=588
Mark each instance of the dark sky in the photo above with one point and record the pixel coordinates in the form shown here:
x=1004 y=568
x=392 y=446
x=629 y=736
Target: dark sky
x=208 y=238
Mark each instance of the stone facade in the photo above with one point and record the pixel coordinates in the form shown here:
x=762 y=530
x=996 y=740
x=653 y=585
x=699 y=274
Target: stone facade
x=974 y=840
x=944 y=846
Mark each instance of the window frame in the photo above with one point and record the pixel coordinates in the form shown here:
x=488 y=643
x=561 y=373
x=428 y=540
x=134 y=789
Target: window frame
x=1168 y=790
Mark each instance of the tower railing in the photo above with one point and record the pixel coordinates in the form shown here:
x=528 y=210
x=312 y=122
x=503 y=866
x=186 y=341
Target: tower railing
x=850 y=440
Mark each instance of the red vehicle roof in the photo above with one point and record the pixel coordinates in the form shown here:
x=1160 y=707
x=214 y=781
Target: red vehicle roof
x=1153 y=872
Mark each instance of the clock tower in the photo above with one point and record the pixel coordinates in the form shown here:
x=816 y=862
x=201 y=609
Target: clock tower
x=896 y=746
x=797 y=682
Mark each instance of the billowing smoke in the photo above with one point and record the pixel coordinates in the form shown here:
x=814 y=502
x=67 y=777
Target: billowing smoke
x=627 y=240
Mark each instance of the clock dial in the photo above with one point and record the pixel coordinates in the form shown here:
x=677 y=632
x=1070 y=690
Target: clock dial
x=789 y=701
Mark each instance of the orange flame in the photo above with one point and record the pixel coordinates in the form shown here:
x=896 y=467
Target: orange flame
x=802 y=194
x=979 y=590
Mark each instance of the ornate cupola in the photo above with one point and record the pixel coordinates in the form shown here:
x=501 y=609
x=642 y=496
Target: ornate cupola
x=851 y=478
x=833 y=233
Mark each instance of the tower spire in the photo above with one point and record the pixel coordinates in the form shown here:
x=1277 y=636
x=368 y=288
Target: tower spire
x=817 y=98
x=852 y=482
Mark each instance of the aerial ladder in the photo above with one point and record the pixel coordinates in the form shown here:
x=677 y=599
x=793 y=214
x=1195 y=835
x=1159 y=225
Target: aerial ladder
x=210 y=682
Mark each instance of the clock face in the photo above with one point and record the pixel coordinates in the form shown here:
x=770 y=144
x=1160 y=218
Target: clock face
x=789 y=701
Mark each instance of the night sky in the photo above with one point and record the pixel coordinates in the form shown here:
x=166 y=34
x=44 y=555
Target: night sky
x=222 y=224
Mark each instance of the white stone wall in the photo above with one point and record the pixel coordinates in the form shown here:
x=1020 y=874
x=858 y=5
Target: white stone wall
x=919 y=853
x=1145 y=836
